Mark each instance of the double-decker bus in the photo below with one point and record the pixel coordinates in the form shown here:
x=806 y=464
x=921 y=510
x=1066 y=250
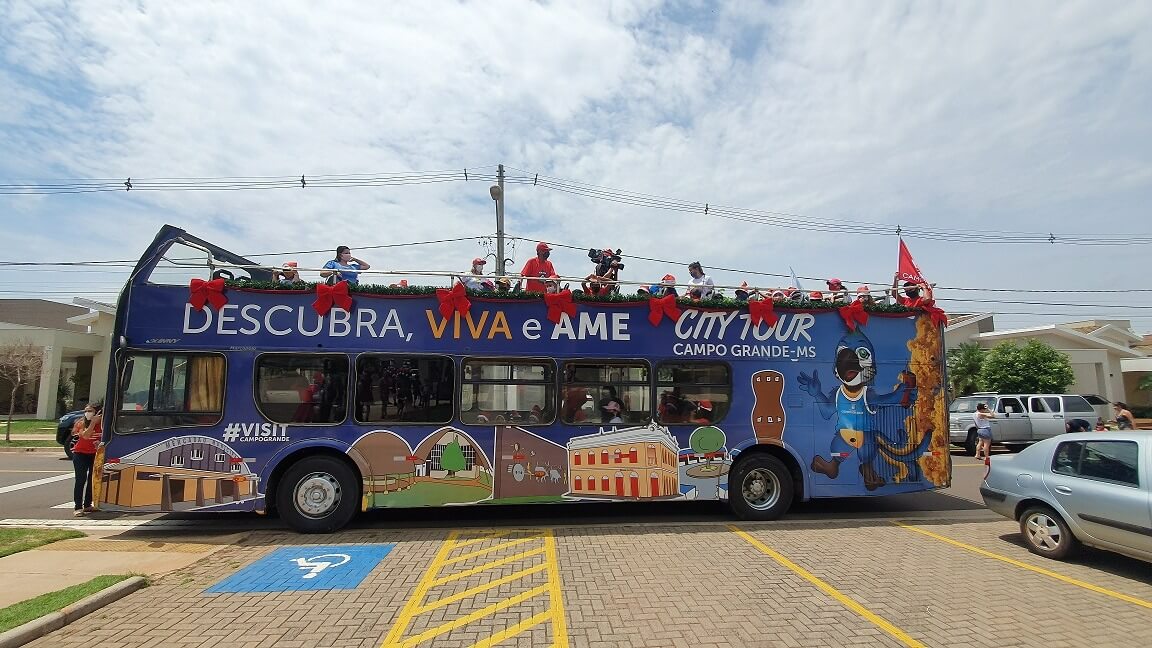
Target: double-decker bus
x=318 y=401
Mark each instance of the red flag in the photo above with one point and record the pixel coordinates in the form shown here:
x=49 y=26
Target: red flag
x=907 y=270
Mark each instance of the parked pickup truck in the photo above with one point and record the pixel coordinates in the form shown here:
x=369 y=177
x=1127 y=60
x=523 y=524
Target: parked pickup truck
x=1021 y=419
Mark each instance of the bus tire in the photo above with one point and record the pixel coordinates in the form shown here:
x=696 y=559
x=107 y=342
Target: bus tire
x=318 y=494
x=970 y=443
x=760 y=487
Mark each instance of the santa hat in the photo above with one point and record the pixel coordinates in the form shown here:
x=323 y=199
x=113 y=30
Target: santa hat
x=612 y=406
x=705 y=405
x=290 y=264
x=668 y=280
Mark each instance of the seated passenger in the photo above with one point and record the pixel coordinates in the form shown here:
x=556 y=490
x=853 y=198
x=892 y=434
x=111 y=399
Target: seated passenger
x=613 y=408
x=703 y=413
x=837 y=293
x=863 y=296
x=287 y=274
x=552 y=285
x=667 y=286
x=474 y=279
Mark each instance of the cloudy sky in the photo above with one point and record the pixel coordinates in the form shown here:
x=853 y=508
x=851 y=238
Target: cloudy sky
x=812 y=131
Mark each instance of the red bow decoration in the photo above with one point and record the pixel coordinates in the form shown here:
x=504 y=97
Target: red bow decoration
x=212 y=292
x=453 y=301
x=659 y=307
x=329 y=296
x=854 y=314
x=558 y=304
x=939 y=318
x=762 y=311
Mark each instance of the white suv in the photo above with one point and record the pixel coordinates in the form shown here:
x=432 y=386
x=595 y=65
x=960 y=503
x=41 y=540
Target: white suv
x=1021 y=419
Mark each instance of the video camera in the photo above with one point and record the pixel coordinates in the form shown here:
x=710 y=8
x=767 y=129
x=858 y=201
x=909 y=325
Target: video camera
x=606 y=259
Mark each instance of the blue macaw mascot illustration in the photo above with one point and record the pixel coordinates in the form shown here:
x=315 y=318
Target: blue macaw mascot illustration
x=854 y=403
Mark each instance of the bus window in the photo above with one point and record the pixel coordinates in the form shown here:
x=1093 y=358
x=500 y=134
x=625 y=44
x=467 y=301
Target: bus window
x=589 y=385
x=302 y=388
x=165 y=390
x=517 y=392
x=695 y=393
x=404 y=388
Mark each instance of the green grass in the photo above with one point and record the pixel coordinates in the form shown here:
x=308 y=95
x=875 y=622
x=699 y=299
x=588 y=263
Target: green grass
x=34 y=608
x=17 y=540
x=30 y=443
x=30 y=426
x=432 y=493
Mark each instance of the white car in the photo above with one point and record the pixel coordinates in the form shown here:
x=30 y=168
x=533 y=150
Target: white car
x=1085 y=487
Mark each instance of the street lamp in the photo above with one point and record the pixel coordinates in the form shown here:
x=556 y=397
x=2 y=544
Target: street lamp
x=497 y=193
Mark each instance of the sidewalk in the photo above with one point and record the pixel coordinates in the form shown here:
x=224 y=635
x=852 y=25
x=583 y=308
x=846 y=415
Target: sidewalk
x=70 y=562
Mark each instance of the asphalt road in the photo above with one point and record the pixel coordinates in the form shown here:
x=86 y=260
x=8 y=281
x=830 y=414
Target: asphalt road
x=38 y=486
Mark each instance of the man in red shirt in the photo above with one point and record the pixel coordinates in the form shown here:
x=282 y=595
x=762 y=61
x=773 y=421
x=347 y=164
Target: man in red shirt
x=538 y=266
x=915 y=294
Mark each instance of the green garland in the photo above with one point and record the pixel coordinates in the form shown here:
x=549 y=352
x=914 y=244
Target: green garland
x=614 y=298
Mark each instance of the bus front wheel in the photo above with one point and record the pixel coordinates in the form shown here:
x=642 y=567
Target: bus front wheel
x=760 y=488
x=317 y=495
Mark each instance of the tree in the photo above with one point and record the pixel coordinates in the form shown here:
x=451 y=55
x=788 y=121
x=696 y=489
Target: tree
x=964 y=364
x=706 y=440
x=20 y=364
x=1034 y=368
x=453 y=458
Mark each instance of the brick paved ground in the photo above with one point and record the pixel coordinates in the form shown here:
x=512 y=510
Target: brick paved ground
x=700 y=585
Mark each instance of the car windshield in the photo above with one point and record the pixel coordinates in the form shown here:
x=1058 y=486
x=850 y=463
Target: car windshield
x=968 y=405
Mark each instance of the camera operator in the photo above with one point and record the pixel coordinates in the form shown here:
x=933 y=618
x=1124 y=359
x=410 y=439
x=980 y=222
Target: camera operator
x=603 y=280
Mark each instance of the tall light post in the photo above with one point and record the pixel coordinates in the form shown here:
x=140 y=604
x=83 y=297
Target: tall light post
x=497 y=193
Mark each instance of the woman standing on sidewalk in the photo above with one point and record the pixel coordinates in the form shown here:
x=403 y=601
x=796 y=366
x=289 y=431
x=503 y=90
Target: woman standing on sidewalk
x=983 y=419
x=87 y=431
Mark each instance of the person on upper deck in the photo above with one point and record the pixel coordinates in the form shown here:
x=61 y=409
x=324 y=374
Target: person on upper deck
x=537 y=267
x=287 y=274
x=474 y=279
x=837 y=293
x=345 y=266
x=700 y=285
x=916 y=295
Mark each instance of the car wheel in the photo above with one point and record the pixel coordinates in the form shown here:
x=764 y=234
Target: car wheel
x=1046 y=533
x=318 y=495
x=759 y=488
x=970 y=444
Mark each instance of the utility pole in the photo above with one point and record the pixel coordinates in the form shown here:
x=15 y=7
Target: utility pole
x=500 y=221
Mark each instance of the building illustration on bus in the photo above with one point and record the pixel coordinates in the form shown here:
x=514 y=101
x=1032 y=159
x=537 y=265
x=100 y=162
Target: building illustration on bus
x=234 y=393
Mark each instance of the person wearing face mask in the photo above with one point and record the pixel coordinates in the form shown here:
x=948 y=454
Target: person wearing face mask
x=700 y=285
x=915 y=294
x=345 y=266
x=537 y=267
x=87 y=432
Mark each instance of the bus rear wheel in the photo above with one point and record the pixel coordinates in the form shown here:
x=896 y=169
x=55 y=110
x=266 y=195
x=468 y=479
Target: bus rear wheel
x=760 y=488
x=317 y=495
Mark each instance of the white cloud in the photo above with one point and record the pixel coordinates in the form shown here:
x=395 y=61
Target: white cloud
x=981 y=116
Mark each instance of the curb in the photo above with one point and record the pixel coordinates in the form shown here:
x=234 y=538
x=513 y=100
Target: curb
x=51 y=622
x=52 y=448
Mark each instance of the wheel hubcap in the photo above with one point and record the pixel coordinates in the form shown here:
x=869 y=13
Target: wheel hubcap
x=1043 y=532
x=317 y=494
x=761 y=489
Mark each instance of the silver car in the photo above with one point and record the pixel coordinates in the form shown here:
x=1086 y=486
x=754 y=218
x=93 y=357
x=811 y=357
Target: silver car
x=1087 y=487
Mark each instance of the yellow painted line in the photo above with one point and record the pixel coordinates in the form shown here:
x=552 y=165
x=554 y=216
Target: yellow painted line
x=405 y=617
x=487 y=566
x=504 y=635
x=487 y=535
x=1032 y=568
x=844 y=600
x=481 y=552
x=555 y=595
x=480 y=588
x=473 y=616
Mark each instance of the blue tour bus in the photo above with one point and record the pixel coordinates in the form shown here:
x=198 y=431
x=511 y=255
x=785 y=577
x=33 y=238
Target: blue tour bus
x=229 y=392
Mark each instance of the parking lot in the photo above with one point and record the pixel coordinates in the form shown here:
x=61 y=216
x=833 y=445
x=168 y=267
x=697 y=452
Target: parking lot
x=835 y=583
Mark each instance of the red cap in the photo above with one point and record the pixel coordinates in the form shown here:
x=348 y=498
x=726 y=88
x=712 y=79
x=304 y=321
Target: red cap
x=817 y=295
x=542 y=246
x=289 y=264
x=834 y=282
x=706 y=405
x=478 y=261
x=863 y=289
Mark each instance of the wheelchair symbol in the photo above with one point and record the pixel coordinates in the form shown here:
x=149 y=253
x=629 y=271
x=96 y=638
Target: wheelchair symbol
x=317 y=564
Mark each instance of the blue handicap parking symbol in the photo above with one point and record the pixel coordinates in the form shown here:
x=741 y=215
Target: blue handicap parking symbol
x=292 y=569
